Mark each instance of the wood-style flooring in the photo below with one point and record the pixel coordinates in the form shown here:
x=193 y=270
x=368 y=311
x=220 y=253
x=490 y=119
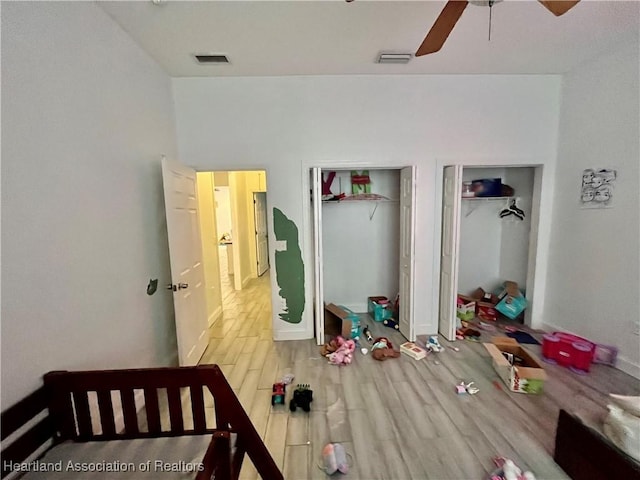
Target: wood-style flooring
x=397 y=419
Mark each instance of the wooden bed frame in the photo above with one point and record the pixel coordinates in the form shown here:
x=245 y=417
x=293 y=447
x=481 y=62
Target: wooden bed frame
x=585 y=454
x=59 y=411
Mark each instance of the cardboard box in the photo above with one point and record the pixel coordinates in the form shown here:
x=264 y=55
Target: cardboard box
x=512 y=303
x=481 y=296
x=339 y=321
x=524 y=376
x=465 y=308
x=413 y=350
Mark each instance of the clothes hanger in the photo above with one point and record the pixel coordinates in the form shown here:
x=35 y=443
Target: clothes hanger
x=512 y=210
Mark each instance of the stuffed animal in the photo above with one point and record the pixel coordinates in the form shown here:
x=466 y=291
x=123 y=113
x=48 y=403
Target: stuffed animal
x=344 y=354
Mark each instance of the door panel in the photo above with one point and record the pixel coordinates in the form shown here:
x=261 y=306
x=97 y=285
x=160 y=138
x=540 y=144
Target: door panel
x=185 y=253
x=452 y=192
x=316 y=202
x=407 y=224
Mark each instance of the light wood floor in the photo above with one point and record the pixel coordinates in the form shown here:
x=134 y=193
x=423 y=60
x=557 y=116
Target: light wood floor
x=401 y=418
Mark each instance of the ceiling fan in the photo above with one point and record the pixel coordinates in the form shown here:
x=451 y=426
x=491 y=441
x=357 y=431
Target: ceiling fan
x=452 y=12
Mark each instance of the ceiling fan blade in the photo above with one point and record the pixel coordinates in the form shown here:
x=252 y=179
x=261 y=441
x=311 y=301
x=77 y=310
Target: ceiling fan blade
x=443 y=26
x=559 y=7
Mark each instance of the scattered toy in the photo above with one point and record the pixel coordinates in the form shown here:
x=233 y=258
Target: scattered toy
x=278 y=394
x=343 y=355
x=466 y=388
x=433 y=344
x=455 y=349
x=383 y=349
x=508 y=470
x=302 y=397
x=391 y=323
x=288 y=378
x=334 y=459
x=364 y=350
x=367 y=334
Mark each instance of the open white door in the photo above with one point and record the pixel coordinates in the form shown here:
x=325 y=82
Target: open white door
x=262 y=242
x=451 y=194
x=407 y=244
x=185 y=253
x=318 y=279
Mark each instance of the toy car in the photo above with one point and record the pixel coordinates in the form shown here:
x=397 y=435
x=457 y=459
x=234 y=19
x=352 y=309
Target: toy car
x=278 y=394
x=302 y=397
x=391 y=323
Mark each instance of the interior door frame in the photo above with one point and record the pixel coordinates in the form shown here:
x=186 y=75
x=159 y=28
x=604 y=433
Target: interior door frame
x=314 y=230
x=538 y=235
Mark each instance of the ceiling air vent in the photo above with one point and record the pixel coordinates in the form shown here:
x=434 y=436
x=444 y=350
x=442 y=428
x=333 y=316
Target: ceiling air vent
x=212 y=59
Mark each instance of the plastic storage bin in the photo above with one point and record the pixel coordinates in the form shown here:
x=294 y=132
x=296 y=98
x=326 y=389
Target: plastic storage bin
x=571 y=351
x=379 y=308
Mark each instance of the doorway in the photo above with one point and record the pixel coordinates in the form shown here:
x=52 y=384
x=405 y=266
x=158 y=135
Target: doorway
x=229 y=240
x=483 y=242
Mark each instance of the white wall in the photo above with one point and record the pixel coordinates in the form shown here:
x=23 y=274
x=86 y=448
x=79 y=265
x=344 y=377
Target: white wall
x=480 y=237
x=593 y=280
x=514 y=242
x=286 y=125
x=223 y=210
x=85 y=117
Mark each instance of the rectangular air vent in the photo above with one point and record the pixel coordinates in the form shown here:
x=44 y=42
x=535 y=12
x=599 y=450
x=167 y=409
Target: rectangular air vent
x=209 y=59
x=394 y=58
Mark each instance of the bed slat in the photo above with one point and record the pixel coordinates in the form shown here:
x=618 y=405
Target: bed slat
x=105 y=405
x=197 y=408
x=129 y=412
x=175 y=409
x=152 y=409
x=83 y=414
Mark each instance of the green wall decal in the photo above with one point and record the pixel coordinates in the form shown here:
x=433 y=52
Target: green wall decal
x=289 y=268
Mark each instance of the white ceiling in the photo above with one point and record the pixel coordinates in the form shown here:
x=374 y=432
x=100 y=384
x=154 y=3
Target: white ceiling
x=340 y=38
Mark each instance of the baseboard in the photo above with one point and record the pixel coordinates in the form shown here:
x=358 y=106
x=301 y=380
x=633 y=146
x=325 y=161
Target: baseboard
x=628 y=367
x=245 y=281
x=292 y=335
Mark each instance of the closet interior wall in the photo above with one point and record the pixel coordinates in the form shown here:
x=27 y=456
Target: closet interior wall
x=494 y=249
x=361 y=241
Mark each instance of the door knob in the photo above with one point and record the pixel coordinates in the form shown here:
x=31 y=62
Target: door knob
x=182 y=286
x=171 y=286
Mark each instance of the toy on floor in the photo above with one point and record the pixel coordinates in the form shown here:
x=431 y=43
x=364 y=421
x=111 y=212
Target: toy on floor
x=383 y=348
x=466 y=388
x=302 y=397
x=334 y=459
x=508 y=470
x=367 y=333
x=278 y=394
x=391 y=323
x=433 y=344
x=344 y=353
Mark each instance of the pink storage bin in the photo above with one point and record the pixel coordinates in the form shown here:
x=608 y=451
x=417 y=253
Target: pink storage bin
x=568 y=350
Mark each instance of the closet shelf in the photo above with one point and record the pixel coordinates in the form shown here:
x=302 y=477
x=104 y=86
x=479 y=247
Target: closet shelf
x=476 y=201
x=370 y=197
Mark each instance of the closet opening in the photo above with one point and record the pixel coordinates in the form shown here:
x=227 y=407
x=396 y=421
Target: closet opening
x=363 y=237
x=489 y=241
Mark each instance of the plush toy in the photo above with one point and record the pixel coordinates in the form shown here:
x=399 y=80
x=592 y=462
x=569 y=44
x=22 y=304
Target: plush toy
x=334 y=459
x=383 y=349
x=344 y=353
